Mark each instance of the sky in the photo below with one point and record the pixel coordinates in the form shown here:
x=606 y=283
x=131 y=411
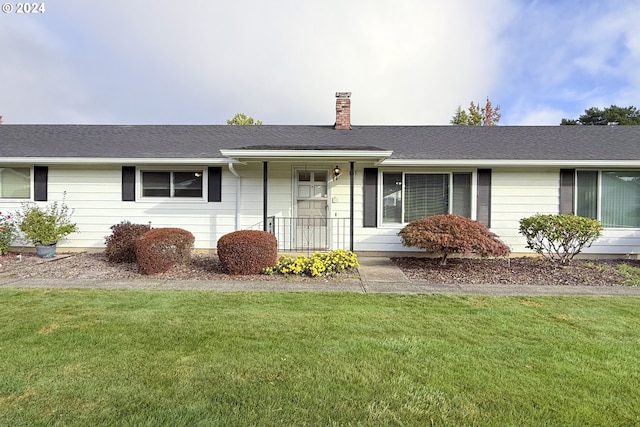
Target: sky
x=406 y=62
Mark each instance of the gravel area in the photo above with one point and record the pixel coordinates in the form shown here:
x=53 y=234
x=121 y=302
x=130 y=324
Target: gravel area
x=95 y=266
x=523 y=271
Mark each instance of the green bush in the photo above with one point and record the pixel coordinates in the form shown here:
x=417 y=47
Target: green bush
x=121 y=243
x=559 y=237
x=452 y=234
x=45 y=225
x=319 y=264
x=159 y=249
x=247 y=251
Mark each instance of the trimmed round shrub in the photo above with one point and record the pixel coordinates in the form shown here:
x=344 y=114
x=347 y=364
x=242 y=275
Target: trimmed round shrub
x=159 y=249
x=247 y=251
x=452 y=234
x=121 y=242
x=559 y=237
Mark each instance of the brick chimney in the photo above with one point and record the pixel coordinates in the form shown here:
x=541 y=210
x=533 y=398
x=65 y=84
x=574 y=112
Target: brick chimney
x=343 y=111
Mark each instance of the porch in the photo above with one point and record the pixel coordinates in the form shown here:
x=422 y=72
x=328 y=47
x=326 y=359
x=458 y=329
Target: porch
x=295 y=234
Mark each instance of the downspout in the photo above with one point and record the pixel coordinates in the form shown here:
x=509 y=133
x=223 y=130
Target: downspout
x=351 y=198
x=265 y=170
x=238 y=185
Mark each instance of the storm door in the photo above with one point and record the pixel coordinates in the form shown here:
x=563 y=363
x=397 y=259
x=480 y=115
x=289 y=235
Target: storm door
x=311 y=210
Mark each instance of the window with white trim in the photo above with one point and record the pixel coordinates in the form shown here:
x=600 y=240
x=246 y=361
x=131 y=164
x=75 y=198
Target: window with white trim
x=15 y=183
x=410 y=196
x=612 y=197
x=173 y=184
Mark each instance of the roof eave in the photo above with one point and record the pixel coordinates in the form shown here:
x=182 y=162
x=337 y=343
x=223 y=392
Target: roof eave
x=487 y=163
x=380 y=157
x=375 y=155
x=116 y=160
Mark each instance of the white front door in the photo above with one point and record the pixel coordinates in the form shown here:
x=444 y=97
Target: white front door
x=311 y=210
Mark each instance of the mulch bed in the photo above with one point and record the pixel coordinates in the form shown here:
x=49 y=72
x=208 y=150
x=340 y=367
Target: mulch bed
x=524 y=271
x=521 y=271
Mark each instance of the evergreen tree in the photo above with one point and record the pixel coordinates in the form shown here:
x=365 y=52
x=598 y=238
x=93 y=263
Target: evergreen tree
x=607 y=116
x=477 y=116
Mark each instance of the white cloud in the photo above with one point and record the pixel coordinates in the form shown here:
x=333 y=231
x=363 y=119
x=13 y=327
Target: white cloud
x=39 y=85
x=406 y=62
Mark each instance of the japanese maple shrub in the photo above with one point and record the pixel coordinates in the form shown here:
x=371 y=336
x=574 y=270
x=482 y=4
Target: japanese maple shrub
x=452 y=234
x=559 y=237
x=247 y=251
x=159 y=249
x=121 y=242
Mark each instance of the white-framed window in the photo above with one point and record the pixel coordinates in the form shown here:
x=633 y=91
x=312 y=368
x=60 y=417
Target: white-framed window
x=407 y=196
x=612 y=197
x=15 y=182
x=187 y=184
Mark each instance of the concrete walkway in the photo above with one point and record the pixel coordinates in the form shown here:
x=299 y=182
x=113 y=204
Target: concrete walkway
x=377 y=275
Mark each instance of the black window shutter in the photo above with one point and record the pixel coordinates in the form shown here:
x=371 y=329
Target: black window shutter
x=40 y=179
x=484 y=196
x=370 y=197
x=215 y=184
x=128 y=183
x=567 y=186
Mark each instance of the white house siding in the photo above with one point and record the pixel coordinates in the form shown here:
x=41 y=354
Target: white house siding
x=279 y=189
x=279 y=192
x=95 y=196
x=250 y=194
x=518 y=193
x=340 y=204
x=620 y=241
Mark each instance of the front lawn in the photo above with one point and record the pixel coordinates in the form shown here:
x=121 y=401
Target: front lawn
x=179 y=358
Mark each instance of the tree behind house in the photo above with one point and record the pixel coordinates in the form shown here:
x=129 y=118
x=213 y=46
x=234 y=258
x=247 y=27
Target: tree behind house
x=609 y=115
x=241 y=119
x=477 y=116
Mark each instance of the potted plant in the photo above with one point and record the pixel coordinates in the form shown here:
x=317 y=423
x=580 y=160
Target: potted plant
x=45 y=226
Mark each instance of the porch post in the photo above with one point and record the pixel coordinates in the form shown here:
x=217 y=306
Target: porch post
x=351 y=188
x=264 y=195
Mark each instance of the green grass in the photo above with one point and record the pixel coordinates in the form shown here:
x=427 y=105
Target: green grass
x=631 y=274
x=148 y=358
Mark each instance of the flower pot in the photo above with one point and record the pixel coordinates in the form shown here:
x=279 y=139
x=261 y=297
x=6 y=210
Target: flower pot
x=46 y=251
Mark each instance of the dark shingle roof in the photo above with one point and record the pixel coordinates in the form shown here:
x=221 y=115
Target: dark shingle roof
x=406 y=142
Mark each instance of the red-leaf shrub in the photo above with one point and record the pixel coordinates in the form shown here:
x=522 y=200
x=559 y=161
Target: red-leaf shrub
x=452 y=234
x=247 y=251
x=121 y=242
x=161 y=248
